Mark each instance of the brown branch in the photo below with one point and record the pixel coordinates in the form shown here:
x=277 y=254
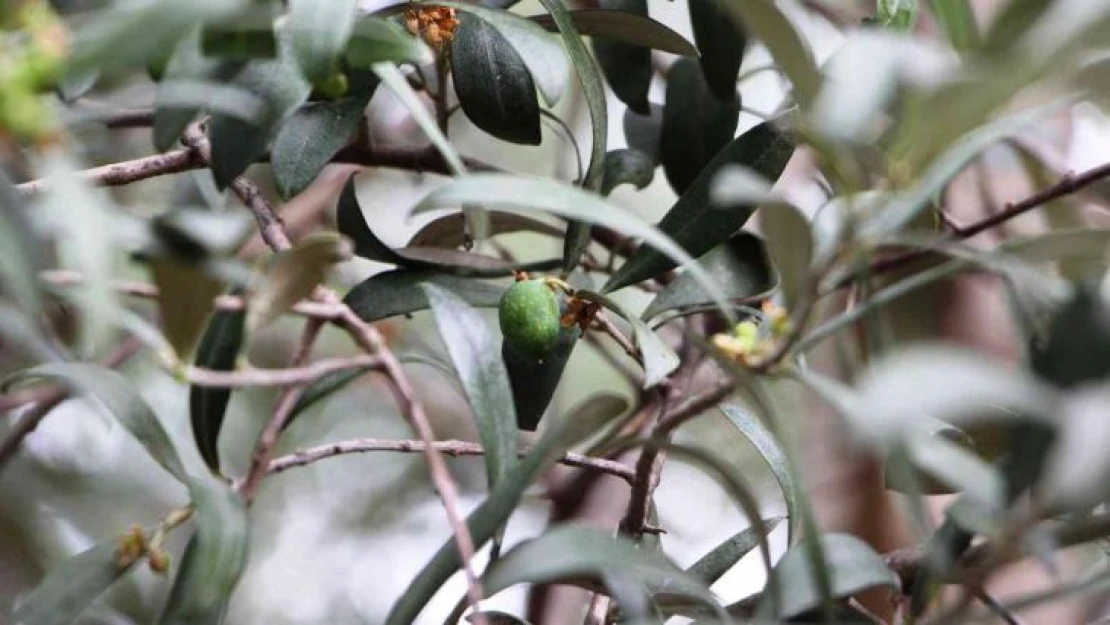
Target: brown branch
x=283 y=410
x=127 y=172
x=309 y=455
x=1067 y=185
x=51 y=396
x=278 y=377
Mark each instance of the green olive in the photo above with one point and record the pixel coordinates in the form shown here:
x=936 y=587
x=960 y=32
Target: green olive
x=529 y=316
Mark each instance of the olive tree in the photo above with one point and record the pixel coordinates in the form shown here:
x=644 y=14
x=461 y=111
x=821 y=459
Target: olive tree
x=702 y=313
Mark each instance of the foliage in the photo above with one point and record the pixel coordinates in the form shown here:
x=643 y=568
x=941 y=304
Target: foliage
x=706 y=315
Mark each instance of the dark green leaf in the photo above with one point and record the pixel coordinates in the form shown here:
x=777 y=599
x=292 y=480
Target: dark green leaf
x=74 y=85
x=710 y=567
x=740 y=266
x=696 y=124
x=770 y=449
x=642 y=132
x=293 y=275
x=584 y=420
x=624 y=27
x=764 y=20
x=534 y=381
x=589 y=76
x=315 y=133
x=578 y=554
x=626 y=167
x=790 y=245
x=398 y=292
x=853 y=567
x=214 y=558
x=540 y=51
x=71 y=586
x=721 y=43
x=187 y=65
x=118 y=398
x=1078 y=347
x=659 y=360
x=957 y=20
x=493 y=84
x=219 y=350
x=627 y=67
x=565 y=201
x=237 y=143
x=695 y=224
x=375 y=40
x=320 y=31
x=483 y=376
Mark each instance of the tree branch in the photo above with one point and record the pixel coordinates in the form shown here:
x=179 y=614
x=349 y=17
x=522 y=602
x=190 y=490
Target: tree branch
x=278 y=377
x=309 y=455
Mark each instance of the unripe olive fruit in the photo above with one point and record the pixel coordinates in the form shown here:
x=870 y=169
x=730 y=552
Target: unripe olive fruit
x=529 y=317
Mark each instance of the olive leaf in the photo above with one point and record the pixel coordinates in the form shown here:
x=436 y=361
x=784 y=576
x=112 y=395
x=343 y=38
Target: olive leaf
x=627 y=67
x=697 y=124
x=398 y=292
x=721 y=43
x=293 y=275
x=219 y=350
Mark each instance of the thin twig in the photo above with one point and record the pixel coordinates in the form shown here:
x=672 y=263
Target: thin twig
x=53 y=396
x=308 y=455
x=306 y=374
x=1067 y=185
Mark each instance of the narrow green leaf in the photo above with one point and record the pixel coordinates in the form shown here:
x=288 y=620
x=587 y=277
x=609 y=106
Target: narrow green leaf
x=352 y=224
x=579 y=555
x=790 y=245
x=659 y=360
x=71 y=586
x=218 y=350
x=693 y=222
x=900 y=15
x=911 y=202
x=1077 y=467
x=540 y=51
x=713 y=565
x=493 y=84
x=1011 y=25
x=627 y=67
x=214 y=557
x=534 y=381
x=627 y=27
x=626 y=167
x=319 y=32
x=740 y=266
x=375 y=40
x=21 y=260
x=393 y=293
x=642 y=132
x=567 y=202
x=315 y=133
x=957 y=20
x=237 y=143
x=244 y=36
x=770 y=449
x=131 y=36
x=696 y=124
x=1078 y=347
x=586 y=419
x=447 y=231
x=293 y=275
x=118 y=398
x=763 y=20
x=853 y=567
x=589 y=76
x=721 y=42
x=483 y=376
